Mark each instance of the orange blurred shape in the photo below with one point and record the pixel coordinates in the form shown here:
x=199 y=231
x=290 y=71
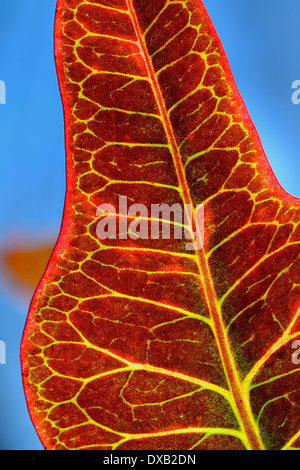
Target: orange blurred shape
x=27 y=265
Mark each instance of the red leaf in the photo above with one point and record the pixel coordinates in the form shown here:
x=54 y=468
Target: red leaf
x=138 y=342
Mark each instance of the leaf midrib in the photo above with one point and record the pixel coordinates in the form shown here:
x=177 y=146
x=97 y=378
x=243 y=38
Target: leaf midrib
x=241 y=401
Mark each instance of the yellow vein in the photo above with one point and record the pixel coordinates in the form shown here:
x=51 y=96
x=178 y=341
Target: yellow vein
x=210 y=431
x=279 y=343
x=289 y=444
x=241 y=400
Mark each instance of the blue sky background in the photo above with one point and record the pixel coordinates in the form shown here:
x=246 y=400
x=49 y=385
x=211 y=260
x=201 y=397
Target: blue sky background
x=261 y=40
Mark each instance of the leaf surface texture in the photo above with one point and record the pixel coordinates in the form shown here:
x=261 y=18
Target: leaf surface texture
x=139 y=343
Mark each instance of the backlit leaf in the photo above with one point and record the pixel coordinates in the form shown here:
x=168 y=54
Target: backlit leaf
x=139 y=343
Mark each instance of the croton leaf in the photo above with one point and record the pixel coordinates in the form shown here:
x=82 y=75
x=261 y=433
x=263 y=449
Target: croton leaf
x=136 y=342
